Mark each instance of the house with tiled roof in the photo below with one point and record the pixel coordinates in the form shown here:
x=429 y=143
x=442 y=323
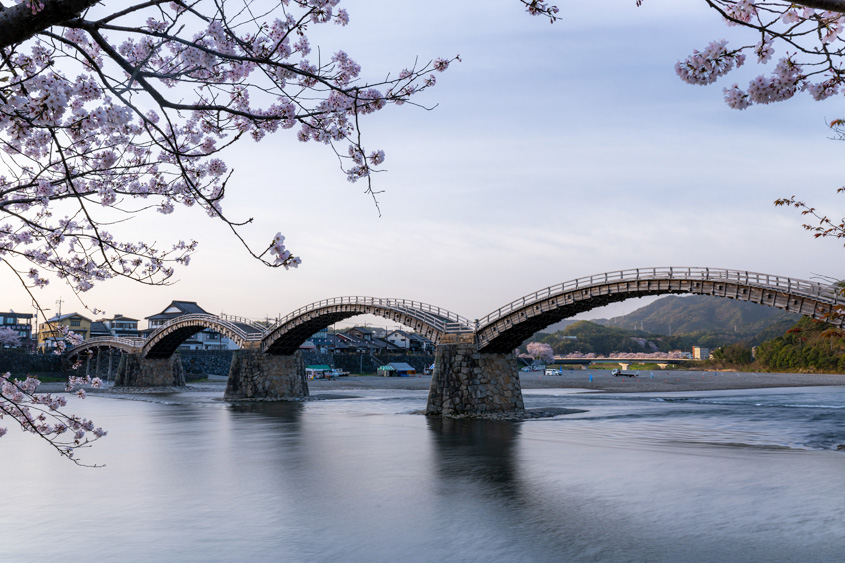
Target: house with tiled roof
x=409 y=341
x=361 y=339
x=360 y=332
x=98 y=328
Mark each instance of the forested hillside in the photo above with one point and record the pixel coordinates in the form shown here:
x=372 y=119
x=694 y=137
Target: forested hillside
x=809 y=345
x=589 y=337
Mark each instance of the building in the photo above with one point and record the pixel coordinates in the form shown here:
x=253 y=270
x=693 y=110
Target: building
x=20 y=323
x=49 y=332
x=99 y=329
x=399 y=369
x=409 y=341
x=360 y=332
x=362 y=340
x=204 y=340
x=700 y=353
x=122 y=327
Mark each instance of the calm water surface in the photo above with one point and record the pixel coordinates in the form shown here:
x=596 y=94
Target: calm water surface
x=684 y=477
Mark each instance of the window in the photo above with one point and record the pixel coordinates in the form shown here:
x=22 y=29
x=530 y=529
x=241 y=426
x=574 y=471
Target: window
x=75 y=322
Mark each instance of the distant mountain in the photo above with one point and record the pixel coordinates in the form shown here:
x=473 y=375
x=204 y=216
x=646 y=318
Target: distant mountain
x=560 y=325
x=672 y=322
x=675 y=314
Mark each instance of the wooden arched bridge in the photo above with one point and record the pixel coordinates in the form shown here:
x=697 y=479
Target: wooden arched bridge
x=481 y=341
x=507 y=327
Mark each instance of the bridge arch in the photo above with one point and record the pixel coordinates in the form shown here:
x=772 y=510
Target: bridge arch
x=432 y=322
x=506 y=328
x=129 y=345
x=164 y=341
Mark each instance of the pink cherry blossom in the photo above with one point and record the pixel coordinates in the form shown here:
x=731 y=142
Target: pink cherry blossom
x=39 y=414
x=809 y=38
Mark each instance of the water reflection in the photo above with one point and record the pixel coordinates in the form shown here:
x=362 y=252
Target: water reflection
x=479 y=449
x=288 y=413
x=361 y=480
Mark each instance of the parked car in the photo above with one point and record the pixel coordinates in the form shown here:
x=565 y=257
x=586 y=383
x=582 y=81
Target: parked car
x=553 y=371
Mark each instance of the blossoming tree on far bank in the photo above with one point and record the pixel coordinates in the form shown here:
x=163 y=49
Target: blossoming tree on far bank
x=540 y=351
x=9 y=338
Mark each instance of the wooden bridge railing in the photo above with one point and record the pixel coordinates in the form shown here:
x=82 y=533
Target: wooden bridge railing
x=437 y=317
x=793 y=286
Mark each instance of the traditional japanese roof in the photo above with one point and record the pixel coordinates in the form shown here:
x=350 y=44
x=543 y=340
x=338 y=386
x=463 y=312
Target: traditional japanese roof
x=382 y=344
x=99 y=329
x=411 y=336
x=177 y=309
x=419 y=338
x=120 y=317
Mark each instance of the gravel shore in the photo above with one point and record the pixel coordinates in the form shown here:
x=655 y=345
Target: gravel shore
x=588 y=380
x=603 y=381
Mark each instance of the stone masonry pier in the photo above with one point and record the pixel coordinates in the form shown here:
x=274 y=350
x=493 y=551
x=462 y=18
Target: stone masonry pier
x=268 y=377
x=468 y=383
x=136 y=371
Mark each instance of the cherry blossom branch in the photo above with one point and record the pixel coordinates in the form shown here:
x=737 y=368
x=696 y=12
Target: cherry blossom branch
x=40 y=414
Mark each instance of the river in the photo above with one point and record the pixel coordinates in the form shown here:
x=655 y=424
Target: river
x=672 y=477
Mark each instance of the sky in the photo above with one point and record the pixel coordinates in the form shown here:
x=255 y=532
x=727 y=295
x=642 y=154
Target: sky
x=552 y=152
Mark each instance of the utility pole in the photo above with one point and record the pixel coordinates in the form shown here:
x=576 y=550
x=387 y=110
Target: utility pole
x=59 y=302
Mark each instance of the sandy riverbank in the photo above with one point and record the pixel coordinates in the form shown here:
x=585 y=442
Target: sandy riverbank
x=602 y=381
x=589 y=380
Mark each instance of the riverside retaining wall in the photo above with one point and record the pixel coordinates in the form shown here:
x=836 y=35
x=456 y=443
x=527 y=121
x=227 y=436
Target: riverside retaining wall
x=21 y=363
x=197 y=363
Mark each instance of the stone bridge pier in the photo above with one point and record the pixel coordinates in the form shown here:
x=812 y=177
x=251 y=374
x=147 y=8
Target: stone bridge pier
x=135 y=370
x=468 y=383
x=269 y=377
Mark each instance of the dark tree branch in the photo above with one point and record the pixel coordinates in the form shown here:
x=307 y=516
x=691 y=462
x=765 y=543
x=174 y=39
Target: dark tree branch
x=18 y=23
